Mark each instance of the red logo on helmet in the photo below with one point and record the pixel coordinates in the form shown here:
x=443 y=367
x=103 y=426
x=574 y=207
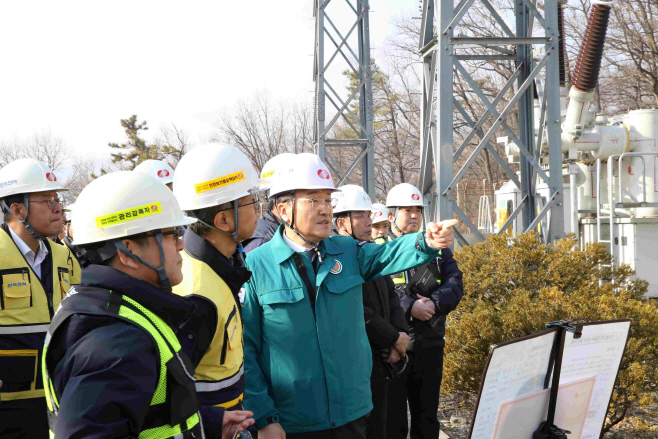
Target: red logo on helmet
x=323 y=174
x=51 y=177
x=415 y=197
x=162 y=173
x=154 y=208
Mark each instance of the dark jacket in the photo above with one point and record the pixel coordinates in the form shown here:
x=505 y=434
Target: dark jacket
x=105 y=370
x=445 y=298
x=265 y=230
x=385 y=319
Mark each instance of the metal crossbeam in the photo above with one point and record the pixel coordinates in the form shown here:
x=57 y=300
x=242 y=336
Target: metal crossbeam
x=361 y=124
x=442 y=56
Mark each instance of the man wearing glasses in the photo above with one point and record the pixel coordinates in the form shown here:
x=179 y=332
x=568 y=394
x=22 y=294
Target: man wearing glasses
x=35 y=277
x=217 y=185
x=307 y=356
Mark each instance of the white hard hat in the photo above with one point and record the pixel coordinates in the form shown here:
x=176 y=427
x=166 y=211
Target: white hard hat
x=304 y=171
x=69 y=207
x=213 y=174
x=158 y=169
x=271 y=169
x=404 y=195
x=350 y=198
x=122 y=204
x=25 y=176
x=379 y=213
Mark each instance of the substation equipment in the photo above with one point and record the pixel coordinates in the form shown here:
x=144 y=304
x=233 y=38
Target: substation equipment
x=579 y=172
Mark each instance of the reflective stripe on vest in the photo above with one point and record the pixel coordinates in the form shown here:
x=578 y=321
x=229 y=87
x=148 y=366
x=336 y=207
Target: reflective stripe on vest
x=25 y=316
x=168 y=348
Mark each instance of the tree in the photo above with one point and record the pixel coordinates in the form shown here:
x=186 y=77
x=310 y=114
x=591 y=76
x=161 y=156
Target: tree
x=170 y=144
x=513 y=288
x=42 y=146
x=262 y=129
x=136 y=150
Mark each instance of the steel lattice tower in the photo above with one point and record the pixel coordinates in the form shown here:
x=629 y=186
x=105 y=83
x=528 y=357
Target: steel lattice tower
x=442 y=55
x=358 y=61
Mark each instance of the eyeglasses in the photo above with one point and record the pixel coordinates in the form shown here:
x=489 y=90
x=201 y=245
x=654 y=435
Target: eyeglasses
x=359 y=216
x=177 y=231
x=52 y=202
x=316 y=203
x=256 y=201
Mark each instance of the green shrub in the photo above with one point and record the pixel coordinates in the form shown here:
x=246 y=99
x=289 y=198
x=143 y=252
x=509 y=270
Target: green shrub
x=512 y=288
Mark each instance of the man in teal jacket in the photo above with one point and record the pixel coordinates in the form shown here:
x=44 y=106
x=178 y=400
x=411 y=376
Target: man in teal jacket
x=307 y=356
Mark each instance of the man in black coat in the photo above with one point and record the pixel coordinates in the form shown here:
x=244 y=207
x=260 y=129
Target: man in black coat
x=386 y=324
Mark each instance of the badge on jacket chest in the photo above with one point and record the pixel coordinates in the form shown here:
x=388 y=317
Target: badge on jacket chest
x=336 y=268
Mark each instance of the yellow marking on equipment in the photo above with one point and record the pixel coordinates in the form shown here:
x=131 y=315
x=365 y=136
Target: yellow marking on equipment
x=132 y=214
x=219 y=182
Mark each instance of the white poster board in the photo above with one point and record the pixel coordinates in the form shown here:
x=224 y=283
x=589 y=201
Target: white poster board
x=598 y=352
x=516 y=369
x=514 y=396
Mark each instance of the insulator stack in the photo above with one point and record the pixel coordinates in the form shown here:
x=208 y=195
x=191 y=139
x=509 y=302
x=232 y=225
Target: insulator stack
x=586 y=74
x=562 y=53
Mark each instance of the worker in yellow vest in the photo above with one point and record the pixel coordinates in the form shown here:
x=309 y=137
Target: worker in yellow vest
x=217 y=185
x=35 y=276
x=113 y=366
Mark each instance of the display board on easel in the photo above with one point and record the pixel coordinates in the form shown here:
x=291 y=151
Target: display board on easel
x=515 y=391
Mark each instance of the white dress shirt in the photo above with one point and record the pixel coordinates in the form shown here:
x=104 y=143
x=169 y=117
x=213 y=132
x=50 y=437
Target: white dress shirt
x=292 y=244
x=32 y=259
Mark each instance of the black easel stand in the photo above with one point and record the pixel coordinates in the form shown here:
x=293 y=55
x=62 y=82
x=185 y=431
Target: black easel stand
x=548 y=429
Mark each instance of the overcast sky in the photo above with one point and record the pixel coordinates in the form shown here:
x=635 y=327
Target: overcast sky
x=78 y=67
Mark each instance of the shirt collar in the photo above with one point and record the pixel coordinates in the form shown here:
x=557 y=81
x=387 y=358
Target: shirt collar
x=282 y=250
x=42 y=251
x=293 y=245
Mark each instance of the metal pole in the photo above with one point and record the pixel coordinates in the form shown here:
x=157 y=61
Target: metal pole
x=573 y=170
x=361 y=124
x=444 y=148
x=526 y=105
x=553 y=124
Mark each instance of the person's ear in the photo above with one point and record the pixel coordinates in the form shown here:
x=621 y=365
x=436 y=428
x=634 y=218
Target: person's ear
x=223 y=221
x=284 y=211
x=18 y=211
x=133 y=248
x=390 y=218
x=340 y=224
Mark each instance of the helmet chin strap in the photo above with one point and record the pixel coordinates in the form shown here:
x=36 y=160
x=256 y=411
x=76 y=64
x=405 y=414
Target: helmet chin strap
x=234 y=234
x=165 y=282
x=395 y=226
x=25 y=222
x=314 y=247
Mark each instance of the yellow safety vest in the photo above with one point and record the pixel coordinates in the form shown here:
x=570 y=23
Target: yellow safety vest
x=220 y=374
x=74 y=266
x=25 y=312
x=173 y=413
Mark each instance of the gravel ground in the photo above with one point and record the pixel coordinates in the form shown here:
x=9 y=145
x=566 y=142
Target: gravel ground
x=455 y=416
